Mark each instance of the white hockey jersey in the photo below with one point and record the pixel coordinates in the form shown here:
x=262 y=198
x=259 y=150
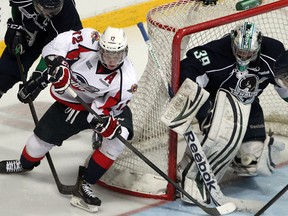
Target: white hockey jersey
x=108 y=92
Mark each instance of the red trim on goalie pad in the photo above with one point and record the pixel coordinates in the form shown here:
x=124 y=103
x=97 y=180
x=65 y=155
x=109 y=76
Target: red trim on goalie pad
x=29 y=158
x=102 y=159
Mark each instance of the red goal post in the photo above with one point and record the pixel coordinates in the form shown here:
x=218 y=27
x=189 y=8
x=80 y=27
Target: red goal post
x=173 y=29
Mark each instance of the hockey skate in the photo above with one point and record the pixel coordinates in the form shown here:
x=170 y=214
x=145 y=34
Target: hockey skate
x=83 y=197
x=11 y=166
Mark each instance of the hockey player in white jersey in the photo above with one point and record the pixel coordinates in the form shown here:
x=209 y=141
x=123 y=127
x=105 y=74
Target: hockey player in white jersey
x=98 y=69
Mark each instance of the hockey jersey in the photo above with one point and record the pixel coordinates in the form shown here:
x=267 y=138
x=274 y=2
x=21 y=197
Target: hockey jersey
x=213 y=66
x=108 y=91
x=23 y=13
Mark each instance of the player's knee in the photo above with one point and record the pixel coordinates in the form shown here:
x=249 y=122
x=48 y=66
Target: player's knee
x=36 y=147
x=113 y=148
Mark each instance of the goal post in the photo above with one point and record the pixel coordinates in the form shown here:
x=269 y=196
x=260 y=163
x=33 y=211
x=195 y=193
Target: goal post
x=173 y=29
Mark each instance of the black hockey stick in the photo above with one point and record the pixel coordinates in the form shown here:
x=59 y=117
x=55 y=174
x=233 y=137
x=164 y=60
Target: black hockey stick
x=277 y=196
x=63 y=189
x=220 y=210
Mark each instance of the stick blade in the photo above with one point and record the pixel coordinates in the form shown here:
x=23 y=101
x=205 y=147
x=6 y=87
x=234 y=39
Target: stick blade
x=226 y=208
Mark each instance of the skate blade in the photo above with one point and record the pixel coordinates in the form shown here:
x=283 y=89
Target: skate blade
x=79 y=203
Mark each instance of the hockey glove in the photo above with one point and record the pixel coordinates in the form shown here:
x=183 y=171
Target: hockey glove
x=15 y=38
x=109 y=129
x=53 y=62
x=33 y=87
x=209 y=2
x=60 y=78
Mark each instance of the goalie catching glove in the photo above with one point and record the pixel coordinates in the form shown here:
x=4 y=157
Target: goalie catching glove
x=109 y=128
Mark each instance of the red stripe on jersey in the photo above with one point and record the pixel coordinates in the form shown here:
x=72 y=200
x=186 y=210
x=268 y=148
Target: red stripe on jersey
x=74 y=54
x=112 y=101
x=29 y=158
x=102 y=159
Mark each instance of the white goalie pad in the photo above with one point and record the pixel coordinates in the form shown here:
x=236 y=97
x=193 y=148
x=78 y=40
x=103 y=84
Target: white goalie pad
x=228 y=127
x=184 y=106
x=221 y=144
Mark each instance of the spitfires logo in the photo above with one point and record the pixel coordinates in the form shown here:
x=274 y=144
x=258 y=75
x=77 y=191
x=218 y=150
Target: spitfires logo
x=80 y=83
x=133 y=89
x=95 y=36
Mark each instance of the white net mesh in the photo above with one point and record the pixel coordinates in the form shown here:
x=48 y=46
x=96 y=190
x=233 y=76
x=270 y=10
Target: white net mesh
x=151 y=136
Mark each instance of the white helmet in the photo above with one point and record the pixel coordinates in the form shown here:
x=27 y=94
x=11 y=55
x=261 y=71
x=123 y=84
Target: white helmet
x=246 y=42
x=113 y=47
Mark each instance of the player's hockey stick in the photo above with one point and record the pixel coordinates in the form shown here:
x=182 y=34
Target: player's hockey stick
x=220 y=210
x=155 y=59
x=277 y=196
x=63 y=189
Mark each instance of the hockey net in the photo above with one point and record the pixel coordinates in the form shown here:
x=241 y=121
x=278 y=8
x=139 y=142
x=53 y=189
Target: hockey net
x=193 y=24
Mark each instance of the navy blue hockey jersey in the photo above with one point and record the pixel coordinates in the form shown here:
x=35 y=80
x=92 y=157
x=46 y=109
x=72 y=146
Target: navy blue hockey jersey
x=213 y=66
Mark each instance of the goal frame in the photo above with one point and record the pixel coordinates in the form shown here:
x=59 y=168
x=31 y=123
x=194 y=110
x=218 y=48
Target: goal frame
x=167 y=192
x=176 y=57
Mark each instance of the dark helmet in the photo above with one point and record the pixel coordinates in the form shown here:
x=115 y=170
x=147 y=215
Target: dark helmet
x=48 y=8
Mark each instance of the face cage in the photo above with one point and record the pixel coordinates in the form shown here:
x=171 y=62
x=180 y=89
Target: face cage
x=112 y=59
x=244 y=57
x=46 y=12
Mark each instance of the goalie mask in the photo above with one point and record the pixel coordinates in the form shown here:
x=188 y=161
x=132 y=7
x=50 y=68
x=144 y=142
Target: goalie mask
x=281 y=70
x=113 y=47
x=246 y=42
x=48 y=8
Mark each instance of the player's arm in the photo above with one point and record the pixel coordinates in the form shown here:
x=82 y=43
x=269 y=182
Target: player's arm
x=57 y=71
x=281 y=75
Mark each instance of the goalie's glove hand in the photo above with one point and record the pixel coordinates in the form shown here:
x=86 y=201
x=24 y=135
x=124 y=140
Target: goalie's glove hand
x=60 y=77
x=109 y=129
x=15 y=39
x=33 y=87
x=209 y=2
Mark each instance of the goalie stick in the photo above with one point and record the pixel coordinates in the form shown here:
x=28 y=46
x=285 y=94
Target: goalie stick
x=63 y=189
x=220 y=210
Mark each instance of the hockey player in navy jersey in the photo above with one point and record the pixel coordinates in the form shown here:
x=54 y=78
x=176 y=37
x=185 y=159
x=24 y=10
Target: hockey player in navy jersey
x=234 y=70
x=101 y=73
x=32 y=25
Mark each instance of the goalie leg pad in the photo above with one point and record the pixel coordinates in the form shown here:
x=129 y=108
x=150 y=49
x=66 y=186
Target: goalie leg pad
x=221 y=144
x=184 y=105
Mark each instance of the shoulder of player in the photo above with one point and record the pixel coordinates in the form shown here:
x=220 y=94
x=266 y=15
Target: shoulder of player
x=268 y=51
x=68 y=9
x=129 y=71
